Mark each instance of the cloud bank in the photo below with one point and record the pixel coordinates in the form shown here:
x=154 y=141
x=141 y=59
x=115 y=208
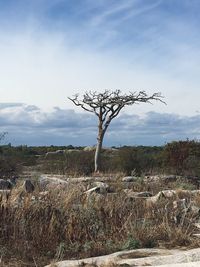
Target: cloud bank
x=28 y=124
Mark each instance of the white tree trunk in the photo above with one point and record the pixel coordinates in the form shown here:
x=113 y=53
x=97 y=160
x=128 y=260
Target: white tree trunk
x=98 y=154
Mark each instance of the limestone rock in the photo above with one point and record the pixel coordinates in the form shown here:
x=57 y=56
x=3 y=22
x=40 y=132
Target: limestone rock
x=132 y=194
x=143 y=194
x=129 y=179
x=169 y=193
x=46 y=182
x=141 y=257
x=5 y=185
x=89 y=148
x=28 y=186
x=103 y=187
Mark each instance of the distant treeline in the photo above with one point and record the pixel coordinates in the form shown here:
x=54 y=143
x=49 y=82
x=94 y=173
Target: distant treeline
x=178 y=157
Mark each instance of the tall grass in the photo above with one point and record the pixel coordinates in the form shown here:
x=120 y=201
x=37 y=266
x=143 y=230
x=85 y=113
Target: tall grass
x=65 y=224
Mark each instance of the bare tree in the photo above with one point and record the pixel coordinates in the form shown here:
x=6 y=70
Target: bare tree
x=106 y=106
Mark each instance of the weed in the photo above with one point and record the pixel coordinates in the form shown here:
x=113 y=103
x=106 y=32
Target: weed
x=131 y=243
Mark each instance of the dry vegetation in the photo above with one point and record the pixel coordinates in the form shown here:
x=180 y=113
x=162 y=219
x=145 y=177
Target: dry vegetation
x=65 y=224
x=39 y=228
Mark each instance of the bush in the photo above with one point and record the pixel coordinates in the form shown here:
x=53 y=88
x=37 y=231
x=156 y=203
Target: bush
x=64 y=225
x=131 y=243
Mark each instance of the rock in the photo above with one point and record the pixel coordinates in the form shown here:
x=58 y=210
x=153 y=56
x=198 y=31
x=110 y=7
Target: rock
x=197 y=225
x=46 y=182
x=132 y=194
x=71 y=151
x=130 y=179
x=196 y=235
x=4 y=185
x=169 y=193
x=54 y=153
x=151 y=201
x=144 y=194
x=141 y=257
x=89 y=148
x=185 y=264
x=28 y=186
x=152 y=178
x=95 y=189
x=103 y=187
x=101 y=184
x=13 y=180
x=194 y=209
x=169 y=178
x=99 y=188
x=180 y=204
x=195 y=193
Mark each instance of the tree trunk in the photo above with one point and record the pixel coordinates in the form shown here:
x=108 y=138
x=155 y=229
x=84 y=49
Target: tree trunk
x=98 y=153
x=102 y=130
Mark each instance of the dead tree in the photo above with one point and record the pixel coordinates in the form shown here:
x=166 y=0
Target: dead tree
x=106 y=106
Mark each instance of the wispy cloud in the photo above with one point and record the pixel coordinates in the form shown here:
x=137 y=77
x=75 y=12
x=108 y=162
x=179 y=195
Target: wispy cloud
x=50 y=49
x=115 y=11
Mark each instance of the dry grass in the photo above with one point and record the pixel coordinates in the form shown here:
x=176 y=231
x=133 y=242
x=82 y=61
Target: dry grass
x=63 y=225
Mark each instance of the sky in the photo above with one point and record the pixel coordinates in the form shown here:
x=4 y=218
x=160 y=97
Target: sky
x=53 y=49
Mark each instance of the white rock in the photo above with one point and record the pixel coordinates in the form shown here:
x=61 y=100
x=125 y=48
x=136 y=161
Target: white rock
x=142 y=257
x=129 y=179
x=169 y=193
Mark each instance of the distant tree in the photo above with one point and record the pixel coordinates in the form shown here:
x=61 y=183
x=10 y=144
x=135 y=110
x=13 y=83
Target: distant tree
x=106 y=106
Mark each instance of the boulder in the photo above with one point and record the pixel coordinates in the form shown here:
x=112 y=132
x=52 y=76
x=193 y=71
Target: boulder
x=28 y=186
x=140 y=257
x=169 y=178
x=152 y=178
x=180 y=204
x=54 y=153
x=169 y=193
x=13 y=180
x=89 y=148
x=129 y=179
x=71 y=151
x=151 y=201
x=95 y=189
x=5 y=185
x=46 y=182
x=195 y=210
x=103 y=187
x=195 y=193
x=143 y=194
x=132 y=194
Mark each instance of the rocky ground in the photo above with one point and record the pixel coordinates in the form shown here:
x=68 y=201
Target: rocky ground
x=139 y=258
x=180 y=200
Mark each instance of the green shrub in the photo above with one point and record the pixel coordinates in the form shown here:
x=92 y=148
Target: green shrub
x=131 y=243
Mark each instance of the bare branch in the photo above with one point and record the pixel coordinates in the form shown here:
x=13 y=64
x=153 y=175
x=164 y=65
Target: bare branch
x=107 y=105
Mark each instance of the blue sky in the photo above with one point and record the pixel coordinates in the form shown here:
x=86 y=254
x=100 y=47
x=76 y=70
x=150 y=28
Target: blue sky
x=52 y=49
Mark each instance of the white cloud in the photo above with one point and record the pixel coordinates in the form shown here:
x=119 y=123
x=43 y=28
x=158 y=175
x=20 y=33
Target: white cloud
x=43 y=60
x=30 y=125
